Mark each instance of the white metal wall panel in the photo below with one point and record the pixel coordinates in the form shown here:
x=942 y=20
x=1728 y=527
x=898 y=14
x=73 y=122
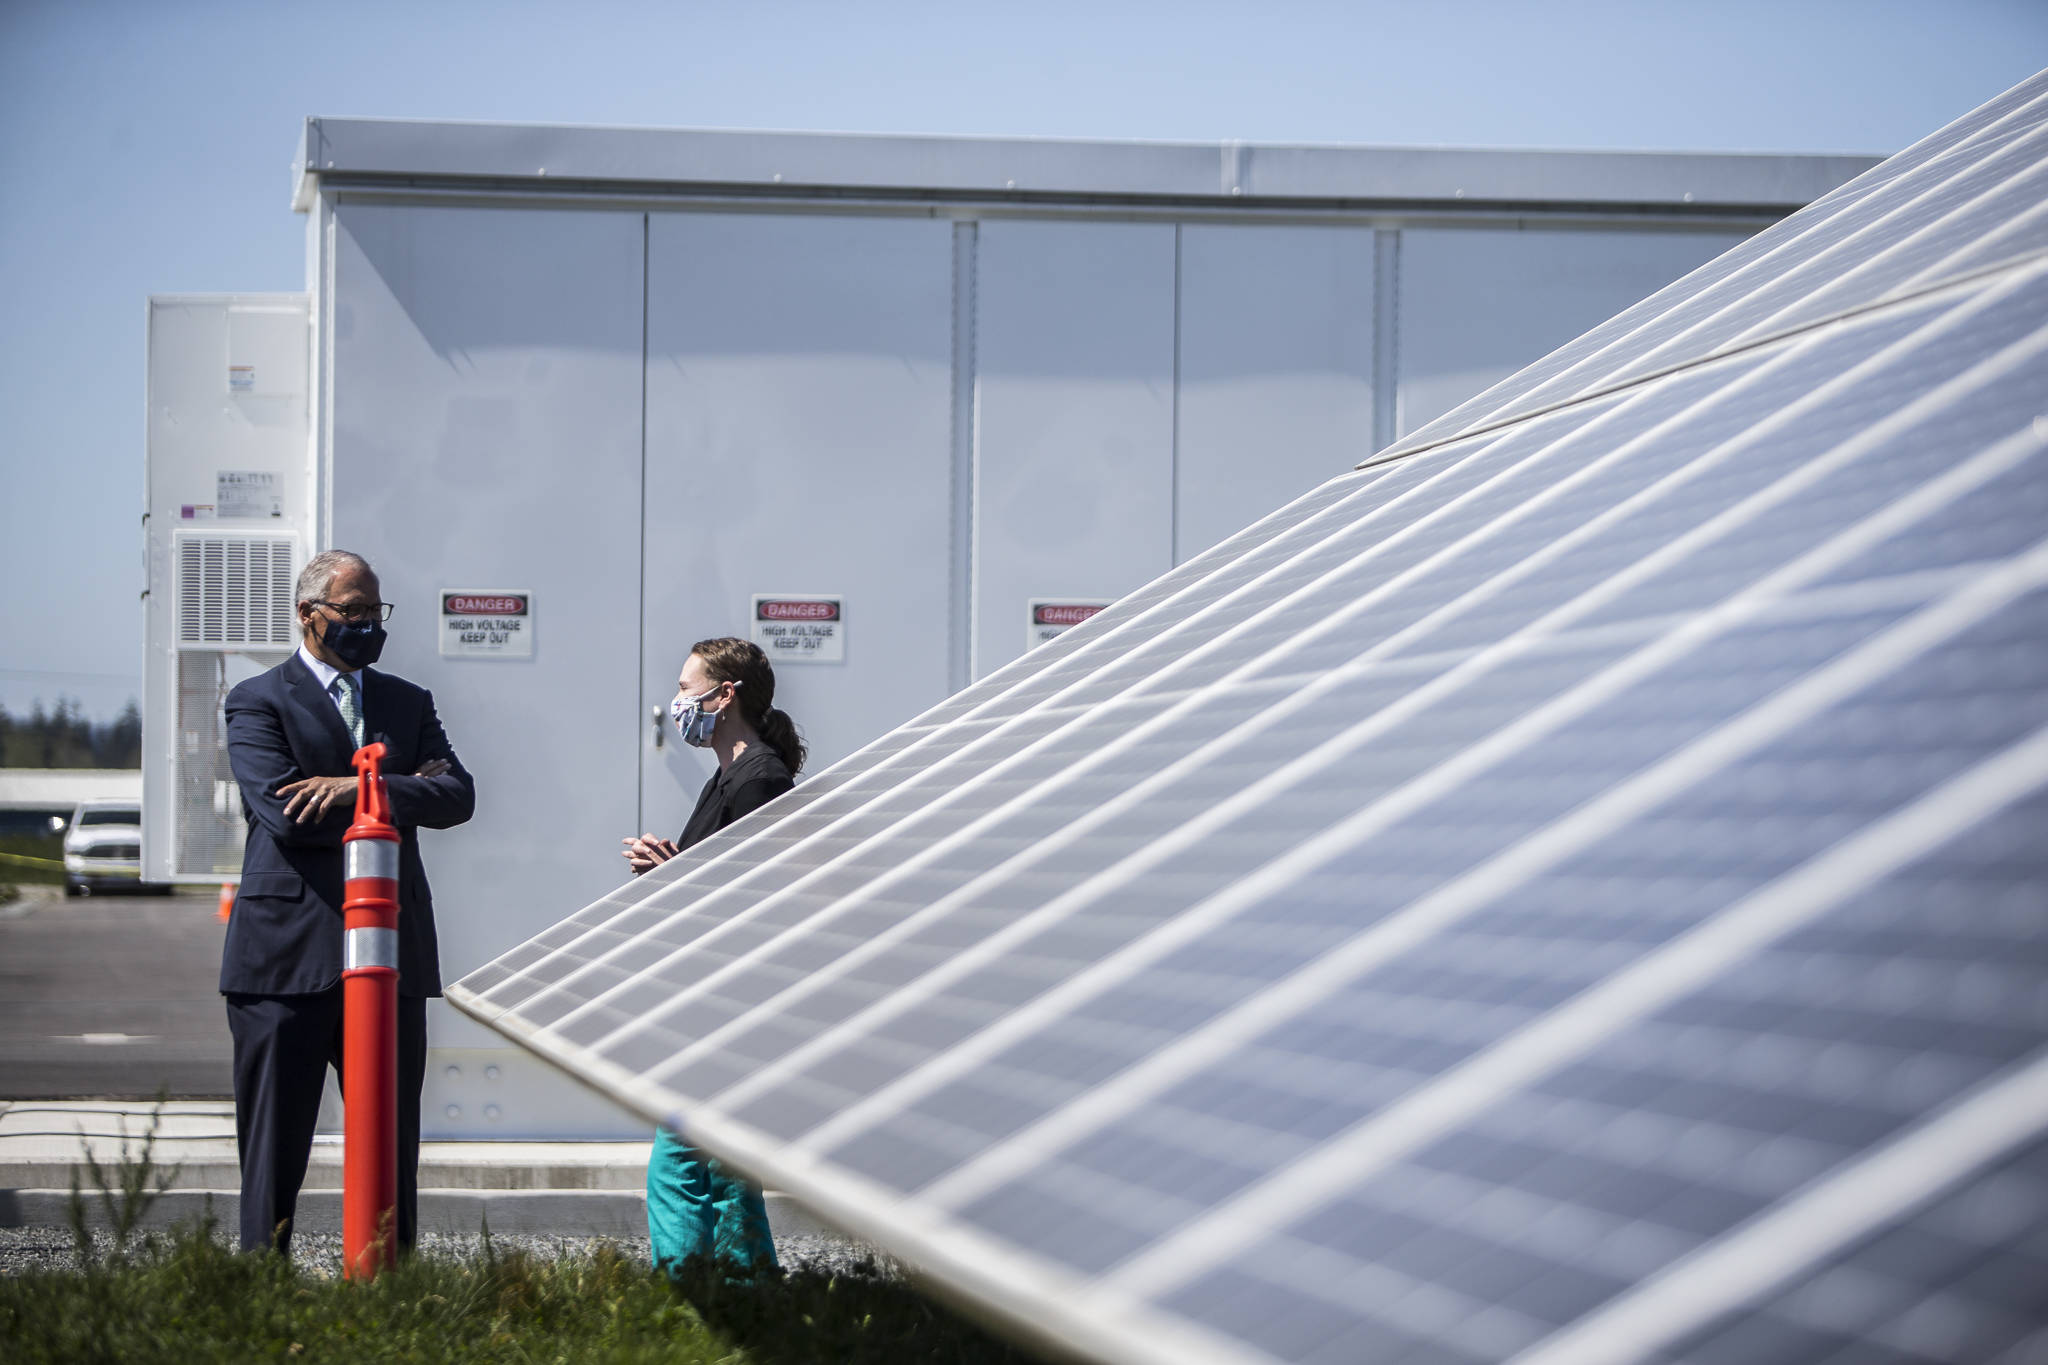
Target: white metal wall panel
x=1477 y=304
x=799 y=439
x=486 y=410
x=1074 y=418
x=1276 y=327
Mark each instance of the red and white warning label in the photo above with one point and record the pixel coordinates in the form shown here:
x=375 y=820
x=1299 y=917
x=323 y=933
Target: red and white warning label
x=800 y=629
x=486 y=623
x=1051 y=616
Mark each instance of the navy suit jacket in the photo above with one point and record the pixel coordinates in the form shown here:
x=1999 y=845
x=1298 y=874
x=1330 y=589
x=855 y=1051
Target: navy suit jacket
x=284 y=937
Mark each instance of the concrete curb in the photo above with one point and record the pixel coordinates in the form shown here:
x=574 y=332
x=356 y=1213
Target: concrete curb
x=443 y=1165
x=566 y=1189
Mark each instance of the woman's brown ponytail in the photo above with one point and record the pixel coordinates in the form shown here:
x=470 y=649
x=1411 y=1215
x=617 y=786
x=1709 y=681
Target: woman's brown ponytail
x=780 y=731
x=733 y=660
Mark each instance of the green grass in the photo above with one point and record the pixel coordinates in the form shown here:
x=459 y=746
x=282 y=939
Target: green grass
x=186 y=1298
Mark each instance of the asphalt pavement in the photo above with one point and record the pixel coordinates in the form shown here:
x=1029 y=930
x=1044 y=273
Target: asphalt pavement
x=112 y=996
x=108 y=1000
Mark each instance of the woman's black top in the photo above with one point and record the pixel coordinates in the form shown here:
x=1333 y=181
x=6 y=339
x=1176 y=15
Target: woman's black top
x=755 y=778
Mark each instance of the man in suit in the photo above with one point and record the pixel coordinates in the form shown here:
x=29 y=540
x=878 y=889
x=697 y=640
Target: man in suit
x=292 y=733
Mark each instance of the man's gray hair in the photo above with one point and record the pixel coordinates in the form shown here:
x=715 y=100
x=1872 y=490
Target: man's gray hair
x=319 y=574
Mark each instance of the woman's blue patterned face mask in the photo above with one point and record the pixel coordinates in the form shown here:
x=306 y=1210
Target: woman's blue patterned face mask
x=692 y=720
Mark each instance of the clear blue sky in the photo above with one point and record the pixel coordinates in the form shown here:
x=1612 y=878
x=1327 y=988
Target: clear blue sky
x=144 y=148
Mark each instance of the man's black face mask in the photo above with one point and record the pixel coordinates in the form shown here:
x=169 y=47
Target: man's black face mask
x=355 y=643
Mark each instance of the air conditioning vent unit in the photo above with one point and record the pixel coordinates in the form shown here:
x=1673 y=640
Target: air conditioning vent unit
x=235 y=589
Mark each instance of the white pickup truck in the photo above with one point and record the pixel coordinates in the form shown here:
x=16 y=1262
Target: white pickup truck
x=103 y=849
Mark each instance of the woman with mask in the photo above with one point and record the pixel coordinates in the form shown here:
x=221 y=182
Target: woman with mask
x=725 y=702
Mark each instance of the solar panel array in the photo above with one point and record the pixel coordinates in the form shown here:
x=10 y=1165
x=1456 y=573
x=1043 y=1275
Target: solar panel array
x=1573 y=892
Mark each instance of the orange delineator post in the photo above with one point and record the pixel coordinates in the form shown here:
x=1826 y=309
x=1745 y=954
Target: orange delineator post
x=369 y=1015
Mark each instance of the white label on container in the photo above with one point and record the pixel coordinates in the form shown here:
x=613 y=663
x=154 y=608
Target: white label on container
x=247 y=493
x=794 y=629
x=486 y=623
x=1050 y=616
x=241 y=379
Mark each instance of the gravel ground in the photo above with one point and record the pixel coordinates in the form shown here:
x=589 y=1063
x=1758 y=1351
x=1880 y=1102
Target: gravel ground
x=28 y=1249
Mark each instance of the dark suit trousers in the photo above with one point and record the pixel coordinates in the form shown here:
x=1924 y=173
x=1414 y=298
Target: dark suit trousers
x=283 y=1047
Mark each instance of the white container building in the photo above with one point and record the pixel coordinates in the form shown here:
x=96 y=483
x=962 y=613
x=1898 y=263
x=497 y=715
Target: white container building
x=946 y=393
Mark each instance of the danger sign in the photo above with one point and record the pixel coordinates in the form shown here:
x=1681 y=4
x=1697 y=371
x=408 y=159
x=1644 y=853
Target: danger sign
x=794 y=629
x=1050 y=616
x=486 y=623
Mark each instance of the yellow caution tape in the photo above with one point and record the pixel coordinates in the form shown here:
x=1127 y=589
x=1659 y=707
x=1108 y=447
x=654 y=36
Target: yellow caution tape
x=31 y=862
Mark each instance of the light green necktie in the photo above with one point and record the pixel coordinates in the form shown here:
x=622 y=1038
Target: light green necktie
x=344 y=689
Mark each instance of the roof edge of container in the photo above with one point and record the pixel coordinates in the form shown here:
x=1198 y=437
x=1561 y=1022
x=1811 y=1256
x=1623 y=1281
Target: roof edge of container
x=786 y=163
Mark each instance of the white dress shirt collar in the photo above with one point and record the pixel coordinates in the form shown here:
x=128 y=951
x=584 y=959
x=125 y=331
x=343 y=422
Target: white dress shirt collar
x=325 y=673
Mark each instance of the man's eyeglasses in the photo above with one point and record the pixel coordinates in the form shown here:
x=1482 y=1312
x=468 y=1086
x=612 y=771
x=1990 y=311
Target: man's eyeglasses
x=353 y=612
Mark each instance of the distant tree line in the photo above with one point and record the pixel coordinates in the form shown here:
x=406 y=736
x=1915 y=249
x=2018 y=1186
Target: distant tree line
x=66 y=738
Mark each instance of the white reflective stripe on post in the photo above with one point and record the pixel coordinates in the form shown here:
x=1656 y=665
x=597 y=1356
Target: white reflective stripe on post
x=373 y=858
x=369 y=948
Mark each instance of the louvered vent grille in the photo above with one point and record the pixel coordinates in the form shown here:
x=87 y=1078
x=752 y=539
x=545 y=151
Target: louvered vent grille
x=235 y=590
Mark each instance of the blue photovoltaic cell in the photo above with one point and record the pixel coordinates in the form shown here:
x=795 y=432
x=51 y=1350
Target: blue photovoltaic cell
x=1426 y=853
x=1958 y=1282
x=1474 y=912
x=1760 y=1083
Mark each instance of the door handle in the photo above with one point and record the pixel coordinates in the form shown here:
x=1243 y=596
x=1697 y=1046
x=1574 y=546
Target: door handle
x=657 y=727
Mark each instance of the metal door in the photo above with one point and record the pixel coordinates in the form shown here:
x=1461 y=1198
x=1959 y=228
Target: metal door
x=486 y=390
x=799 y=437
x=1073 y=442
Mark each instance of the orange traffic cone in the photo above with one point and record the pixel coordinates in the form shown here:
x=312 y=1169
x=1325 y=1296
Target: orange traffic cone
x=227 y=901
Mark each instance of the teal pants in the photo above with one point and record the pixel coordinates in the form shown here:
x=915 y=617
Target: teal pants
x=696 y=1206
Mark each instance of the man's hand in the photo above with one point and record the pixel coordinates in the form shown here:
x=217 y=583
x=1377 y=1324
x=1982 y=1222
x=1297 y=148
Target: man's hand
x=646 y=851
x=310 y=798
